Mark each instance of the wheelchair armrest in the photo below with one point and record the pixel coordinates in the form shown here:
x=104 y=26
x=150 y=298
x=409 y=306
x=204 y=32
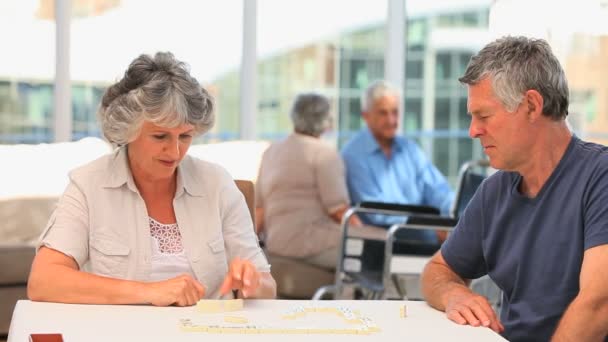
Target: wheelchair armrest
x=439 y=221
x=406 y=209
x=375 y=208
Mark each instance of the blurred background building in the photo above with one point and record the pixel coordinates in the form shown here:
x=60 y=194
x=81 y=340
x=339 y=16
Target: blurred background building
x=334 y=47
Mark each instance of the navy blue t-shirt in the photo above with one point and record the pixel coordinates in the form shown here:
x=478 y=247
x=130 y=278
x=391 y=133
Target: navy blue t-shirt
x=533 y=247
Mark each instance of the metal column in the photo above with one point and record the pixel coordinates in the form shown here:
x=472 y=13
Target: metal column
x=62 y=111
x=248 y=84
x=394 y=56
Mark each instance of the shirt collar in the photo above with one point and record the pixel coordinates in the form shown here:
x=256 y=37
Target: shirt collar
x=120 y=174
x=372 y=146
x=188 y=180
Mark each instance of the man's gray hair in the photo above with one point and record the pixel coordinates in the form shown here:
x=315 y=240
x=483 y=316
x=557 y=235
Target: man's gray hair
x=376 y=90
x=158 y=89
x=515 y=65
x=310 y=114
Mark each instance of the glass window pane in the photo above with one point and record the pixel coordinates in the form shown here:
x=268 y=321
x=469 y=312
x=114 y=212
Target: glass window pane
x=338 y=55
x=463 y=62
x=445 y=34
x=412 y=117
x=470 y=19
x=442 y=113
x=464 y=120
x=26 y=72
x=414 y=69
x=444 y=66
x=416 y=32
x=581 y=47
x=204 y=34
x=441 y=155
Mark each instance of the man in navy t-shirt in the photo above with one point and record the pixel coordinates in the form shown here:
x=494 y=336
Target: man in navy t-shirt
x=538 y=227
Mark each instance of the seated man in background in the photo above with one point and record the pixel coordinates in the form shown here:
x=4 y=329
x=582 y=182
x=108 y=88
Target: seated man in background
x=384 y=167
x=538 y=227
x=301 y=192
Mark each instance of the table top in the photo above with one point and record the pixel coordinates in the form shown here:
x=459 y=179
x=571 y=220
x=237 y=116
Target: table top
x=262 y=320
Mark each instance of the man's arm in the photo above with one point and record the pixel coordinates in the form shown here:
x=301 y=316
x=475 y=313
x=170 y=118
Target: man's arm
x=362 y=187
x=445 y=290
x=436 y=190
x=360 y=181
x=586 y=319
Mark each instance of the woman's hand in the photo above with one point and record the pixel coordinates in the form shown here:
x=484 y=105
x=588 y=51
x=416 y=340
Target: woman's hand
x=182 y=290
x=242 y=276
x=354 y=220
x=337 y=215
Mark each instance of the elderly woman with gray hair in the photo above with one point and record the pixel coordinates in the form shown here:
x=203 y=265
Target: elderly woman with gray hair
x=301 y=192
x=148 y=224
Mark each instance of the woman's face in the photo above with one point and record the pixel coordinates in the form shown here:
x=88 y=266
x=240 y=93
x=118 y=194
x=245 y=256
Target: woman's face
x=157 y=151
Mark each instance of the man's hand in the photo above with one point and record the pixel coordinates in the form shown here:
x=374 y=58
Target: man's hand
x=242 y=276
x=182 y=290
x=473 y=309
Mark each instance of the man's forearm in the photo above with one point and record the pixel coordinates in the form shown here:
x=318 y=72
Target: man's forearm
x=584 y=320
x=439 y=283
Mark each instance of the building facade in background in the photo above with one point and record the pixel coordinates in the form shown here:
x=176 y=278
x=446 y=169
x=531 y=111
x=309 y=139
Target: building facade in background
x=439 y=44
x=341 y=67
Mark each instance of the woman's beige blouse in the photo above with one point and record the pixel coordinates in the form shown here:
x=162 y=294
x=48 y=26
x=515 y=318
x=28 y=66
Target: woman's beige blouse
x=102 y=222
x=301 y=180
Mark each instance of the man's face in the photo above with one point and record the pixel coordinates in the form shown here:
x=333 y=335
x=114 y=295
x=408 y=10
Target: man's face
x=382 y=118
x=504 y=136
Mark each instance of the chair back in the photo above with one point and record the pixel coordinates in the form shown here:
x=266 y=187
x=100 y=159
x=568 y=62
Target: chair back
x=470 y=177
x=295 y=279
x=248 y=190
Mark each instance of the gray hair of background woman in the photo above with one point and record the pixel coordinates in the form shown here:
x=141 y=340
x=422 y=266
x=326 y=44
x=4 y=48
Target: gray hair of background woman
x=376 y=90
x=310 y=114
x=516 y=65
x=158 y=89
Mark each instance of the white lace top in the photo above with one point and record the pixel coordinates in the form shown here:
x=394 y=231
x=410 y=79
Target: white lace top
x=168 y=255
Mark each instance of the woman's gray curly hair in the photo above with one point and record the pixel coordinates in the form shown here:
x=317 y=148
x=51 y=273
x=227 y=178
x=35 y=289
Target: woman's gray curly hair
x=310 y=114
x=158 y=89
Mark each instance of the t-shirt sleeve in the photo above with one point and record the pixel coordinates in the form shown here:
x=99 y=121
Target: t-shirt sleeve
x=596 y=210
x=331 y=180
x=463 y=249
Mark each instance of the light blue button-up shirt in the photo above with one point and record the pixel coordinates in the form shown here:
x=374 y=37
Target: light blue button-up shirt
x=407 y=177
